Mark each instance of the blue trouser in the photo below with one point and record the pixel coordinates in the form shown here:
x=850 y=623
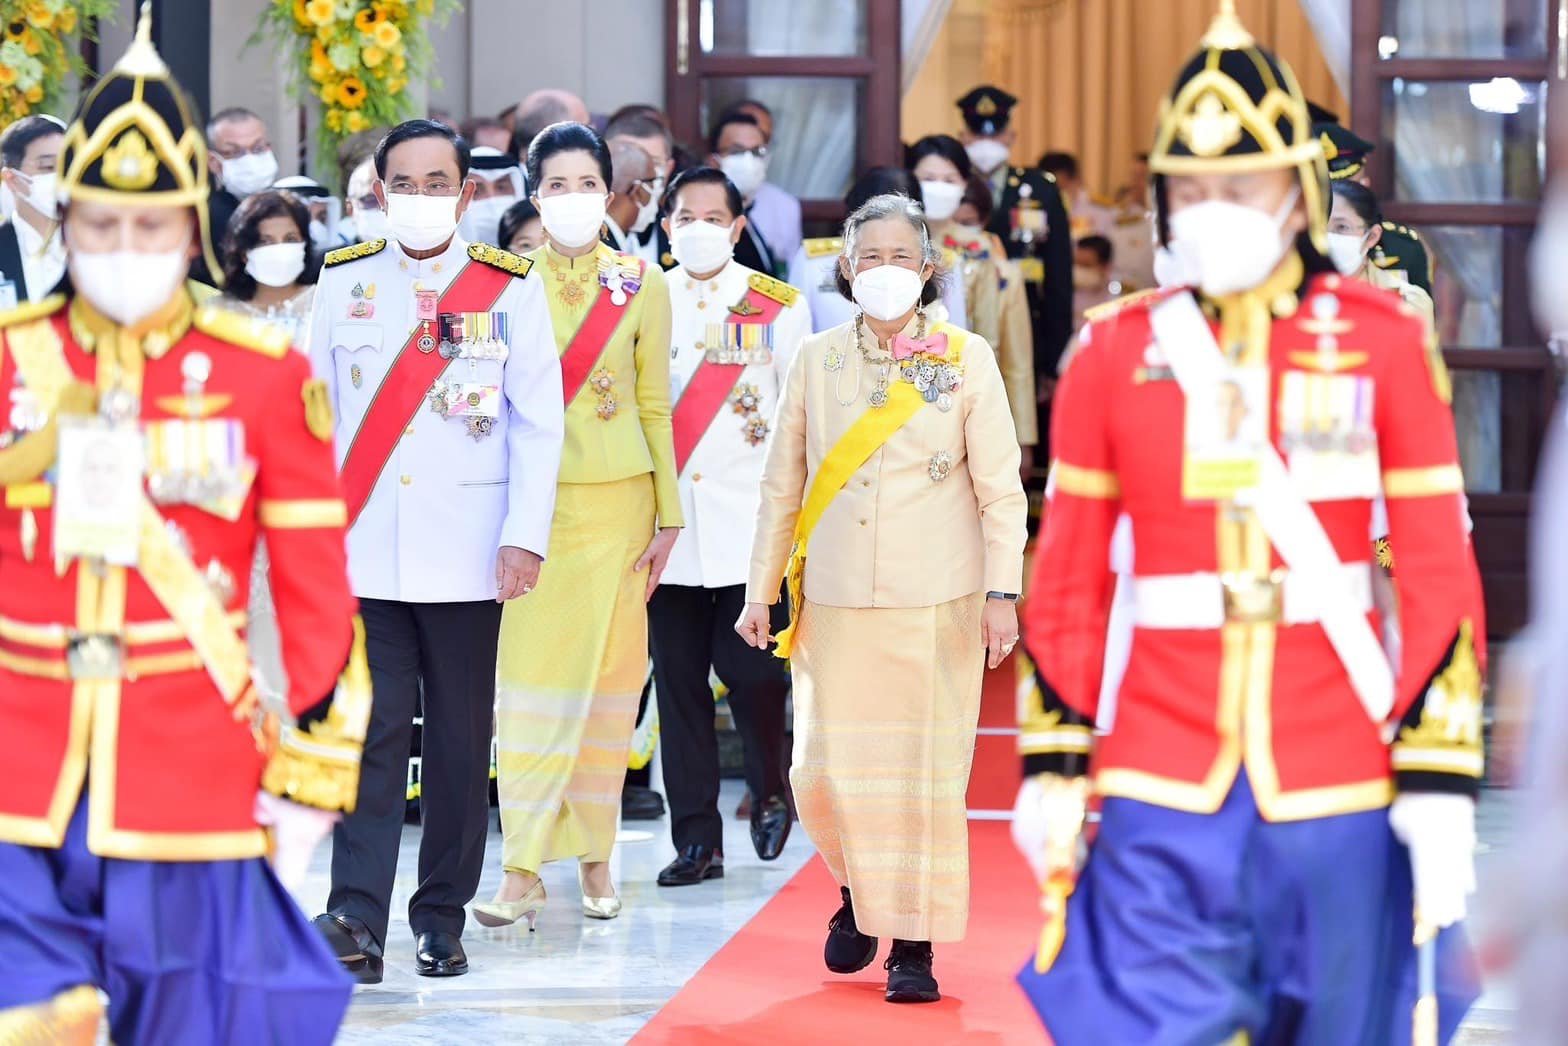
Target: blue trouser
x=1188 y=928
x=198 y=952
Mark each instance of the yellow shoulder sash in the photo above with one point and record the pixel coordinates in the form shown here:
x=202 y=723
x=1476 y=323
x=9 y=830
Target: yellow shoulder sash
x=854 y=448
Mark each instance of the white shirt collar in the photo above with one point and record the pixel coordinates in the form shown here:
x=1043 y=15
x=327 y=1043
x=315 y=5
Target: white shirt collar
x=32 y=243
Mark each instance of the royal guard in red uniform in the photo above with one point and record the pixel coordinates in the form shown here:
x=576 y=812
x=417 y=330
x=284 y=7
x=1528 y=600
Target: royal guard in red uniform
x=149 y=443
x=1270 y=780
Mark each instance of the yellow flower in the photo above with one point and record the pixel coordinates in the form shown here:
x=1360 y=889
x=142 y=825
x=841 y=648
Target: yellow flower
x=7 y=76
x=320 y=65
x=34 y=94
x=353 y=123
x=366 y=20
x=425 y=7
x=351 y=92
x=387 y=34
x=38 y=14
x=32 y=43
x=65 y=21
x=399 y=63
x=300 y=15
x=396 y=84
x=335 y=120
x=319 y=12
x=328 y=93
x=372 y=57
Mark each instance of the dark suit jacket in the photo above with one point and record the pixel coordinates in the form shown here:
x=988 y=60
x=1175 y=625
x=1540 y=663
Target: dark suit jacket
x=11 y=260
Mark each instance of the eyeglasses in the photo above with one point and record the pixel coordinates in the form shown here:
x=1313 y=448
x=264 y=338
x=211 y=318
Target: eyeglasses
x=760 y=152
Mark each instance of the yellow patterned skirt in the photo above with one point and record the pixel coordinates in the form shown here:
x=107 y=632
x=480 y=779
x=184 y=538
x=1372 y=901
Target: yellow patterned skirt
x=886 y=702
x=573 y=657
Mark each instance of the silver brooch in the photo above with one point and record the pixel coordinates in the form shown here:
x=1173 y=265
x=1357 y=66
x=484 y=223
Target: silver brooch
x=834 y=360
x=941 y=466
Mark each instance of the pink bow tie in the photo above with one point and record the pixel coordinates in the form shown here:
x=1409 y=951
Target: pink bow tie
x=905 y=347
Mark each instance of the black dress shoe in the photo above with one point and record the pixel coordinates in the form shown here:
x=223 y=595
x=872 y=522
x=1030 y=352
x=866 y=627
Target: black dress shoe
x=847 y=949
x=909 y=973
x=770 y=824
x=641 y=804
x=439 y=955
x=353 y=944
x=692 y=866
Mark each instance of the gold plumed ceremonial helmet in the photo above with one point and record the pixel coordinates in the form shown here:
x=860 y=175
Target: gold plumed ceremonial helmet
x=1236 y=108
x=136 y=139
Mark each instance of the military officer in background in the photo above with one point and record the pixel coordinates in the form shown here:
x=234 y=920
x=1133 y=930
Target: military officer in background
x=1399 y=250
x=734 y=331
x=1031 y=221
x=441 y=367
x=142 y=779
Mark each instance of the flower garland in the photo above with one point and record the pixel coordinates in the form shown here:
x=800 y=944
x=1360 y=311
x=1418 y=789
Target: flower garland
x=38 y=53
x=356 y=57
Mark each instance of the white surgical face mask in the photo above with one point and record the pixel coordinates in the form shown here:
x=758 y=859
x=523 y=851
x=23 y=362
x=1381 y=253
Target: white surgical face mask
x=1548 y=261
x=419 y=222
x=482 y=221
x=702 y=247
x=573 y=219
x=941 y=199
x=41 y=194
x=887 y=291
x=366 y=225
x=1346 y=252
x=276 y=264
x=987 y=154
x=249 y=174
x=1231 y=247
x=318 y=233
x=647 y=214
x=128 y=286
x=747 y=170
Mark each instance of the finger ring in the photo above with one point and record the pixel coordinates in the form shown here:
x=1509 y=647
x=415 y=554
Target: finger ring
x=1007 y=648
x=527 y=589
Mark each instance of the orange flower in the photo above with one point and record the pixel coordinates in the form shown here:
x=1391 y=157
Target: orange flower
x=320 y=65
x=31 y=42
x=351 y=92
x=38 y=14
x=34 y=94
x=7 y=76
x=367 y=19
x=300 y=15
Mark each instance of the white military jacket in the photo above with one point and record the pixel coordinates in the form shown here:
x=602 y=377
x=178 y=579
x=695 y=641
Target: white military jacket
x=720 y=483
x=446 y=501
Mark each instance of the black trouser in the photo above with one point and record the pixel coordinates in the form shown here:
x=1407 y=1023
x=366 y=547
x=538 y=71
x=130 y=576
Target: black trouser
x=449 y=649
x=690 y=629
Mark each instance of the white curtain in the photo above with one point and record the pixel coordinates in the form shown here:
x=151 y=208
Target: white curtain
x=1331 y=25
x=921 y=24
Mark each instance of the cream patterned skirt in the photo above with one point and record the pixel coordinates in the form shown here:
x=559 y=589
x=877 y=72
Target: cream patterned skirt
x=886 y=702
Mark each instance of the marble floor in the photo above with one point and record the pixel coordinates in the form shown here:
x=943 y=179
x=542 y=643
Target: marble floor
x=576 y=980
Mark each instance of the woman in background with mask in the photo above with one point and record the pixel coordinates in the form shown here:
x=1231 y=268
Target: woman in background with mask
x=993 y=290
x=573 y=656
x=1355 y=224
x=269 y=269
x=521 y=230
x=894 y=456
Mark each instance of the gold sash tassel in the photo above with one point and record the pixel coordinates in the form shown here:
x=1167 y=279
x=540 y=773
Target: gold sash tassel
x=319 y=766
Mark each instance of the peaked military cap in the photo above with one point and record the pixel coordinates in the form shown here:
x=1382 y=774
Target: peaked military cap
x=1343 y=149
x=987 y=109
x=136 y=139
x=1237 y=108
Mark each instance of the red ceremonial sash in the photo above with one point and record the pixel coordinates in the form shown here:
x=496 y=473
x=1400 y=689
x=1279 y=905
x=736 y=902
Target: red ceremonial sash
x=588 y=344
x=407 y=383
x=712 y=383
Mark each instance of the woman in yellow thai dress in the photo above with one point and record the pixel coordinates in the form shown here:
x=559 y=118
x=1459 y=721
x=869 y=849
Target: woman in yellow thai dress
x=994 y=301
x=573 y=655
x=894 y=457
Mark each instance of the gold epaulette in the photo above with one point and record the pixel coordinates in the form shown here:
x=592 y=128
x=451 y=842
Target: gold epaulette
x=1403 y=230
x=243 y=331
x=496 y=258
x=32 y=310
x=354 y=252
x=1105 y=310
x=769 y=287
x=822 y=246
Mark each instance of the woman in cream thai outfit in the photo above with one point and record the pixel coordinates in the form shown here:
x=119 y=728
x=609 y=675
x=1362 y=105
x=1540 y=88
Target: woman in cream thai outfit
x=906 y=594
x=573 y=655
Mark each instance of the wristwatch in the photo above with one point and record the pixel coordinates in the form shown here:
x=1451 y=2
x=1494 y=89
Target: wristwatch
x=1011 y=597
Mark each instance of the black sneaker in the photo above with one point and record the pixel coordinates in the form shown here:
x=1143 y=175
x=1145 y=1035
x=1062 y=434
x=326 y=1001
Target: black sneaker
x=847 y=950
x=909 y=973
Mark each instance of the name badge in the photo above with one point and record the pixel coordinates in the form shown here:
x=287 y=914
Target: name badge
x=1225 y=432
x=8 y=298
x=98 y=491
x=1327 y=435
x=469 y=399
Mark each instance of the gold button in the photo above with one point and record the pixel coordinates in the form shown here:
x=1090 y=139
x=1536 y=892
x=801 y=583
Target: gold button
x=407 y=480
x=696 y=477
x=862 y=522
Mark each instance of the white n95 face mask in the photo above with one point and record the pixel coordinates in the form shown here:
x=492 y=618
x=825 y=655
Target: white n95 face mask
x=128 y=286
x=746 y=170
x=987 y=154
x=887 y=291
x=702 y=247
x=482 y=221
x=276 y=264
x=1346 y=252
x=249 y=174
x=41 y=193
x=420 y=222
x=1230 y=247
x=941 y=199
x=573 y=219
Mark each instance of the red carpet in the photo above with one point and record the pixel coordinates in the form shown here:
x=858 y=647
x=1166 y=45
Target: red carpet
x=768 y=984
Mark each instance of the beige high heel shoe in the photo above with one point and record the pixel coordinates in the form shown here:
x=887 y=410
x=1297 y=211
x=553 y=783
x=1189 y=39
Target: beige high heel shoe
x=597 y=907
x=505 y=913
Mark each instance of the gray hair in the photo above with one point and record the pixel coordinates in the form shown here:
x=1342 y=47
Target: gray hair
x=893 y=205
x=629 y=164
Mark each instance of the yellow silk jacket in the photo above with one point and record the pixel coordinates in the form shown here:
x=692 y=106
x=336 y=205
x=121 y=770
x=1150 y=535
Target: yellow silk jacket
x=618 y=425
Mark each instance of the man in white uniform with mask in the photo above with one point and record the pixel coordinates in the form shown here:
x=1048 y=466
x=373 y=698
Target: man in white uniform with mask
x=32 y=252
x=441 y=369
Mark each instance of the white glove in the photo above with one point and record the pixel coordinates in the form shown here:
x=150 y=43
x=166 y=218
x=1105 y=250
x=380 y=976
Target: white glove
x=1439 y=829
x=296 y=832
x=1048 y=813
